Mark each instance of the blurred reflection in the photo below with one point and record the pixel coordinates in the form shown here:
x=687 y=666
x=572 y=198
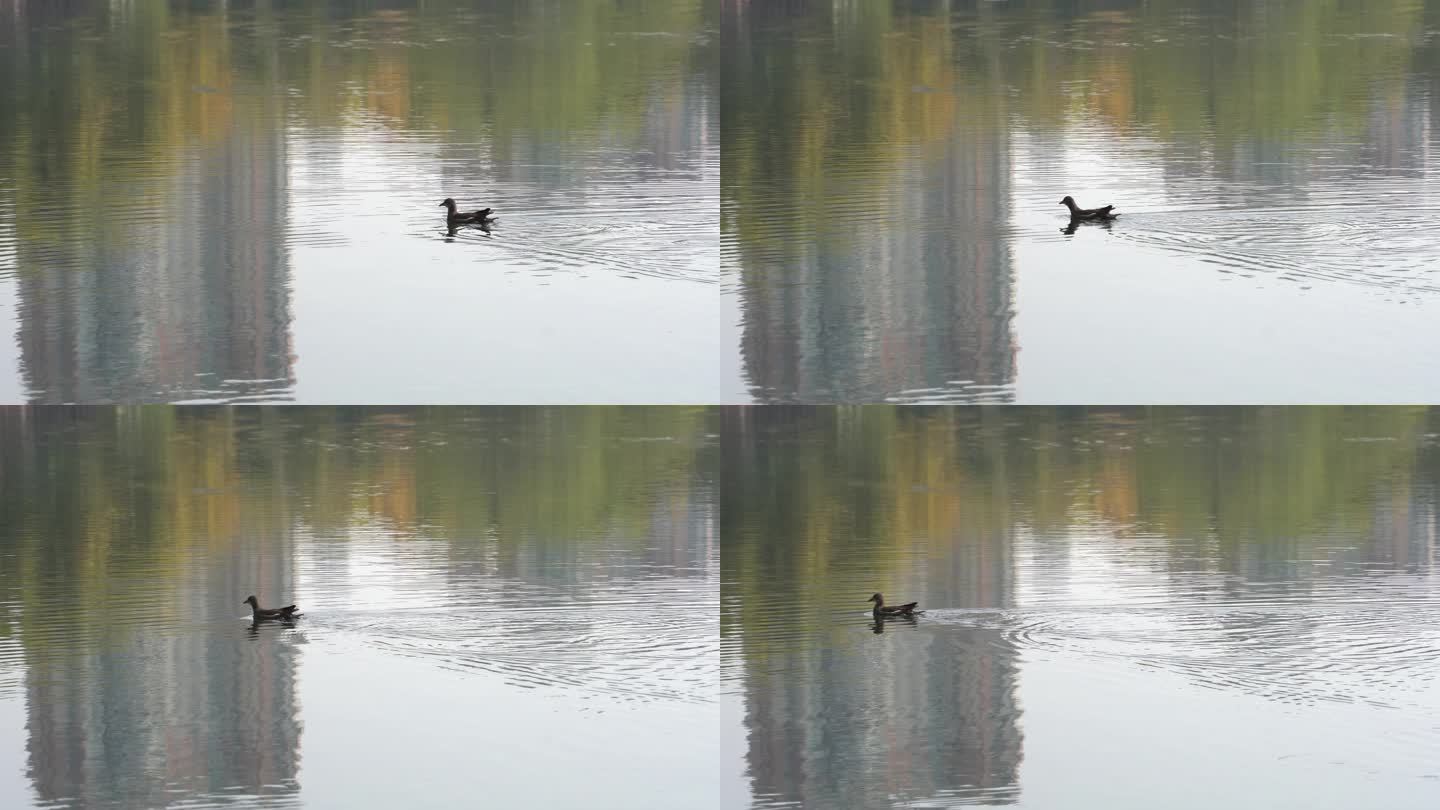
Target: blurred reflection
x=878 y=625
x=887 y=166
x=164 y=186
x=1273 y=553
x=140 y=690
x=131 y=535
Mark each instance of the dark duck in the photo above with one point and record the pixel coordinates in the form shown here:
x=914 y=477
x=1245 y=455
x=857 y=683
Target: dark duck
x=883 y=610
x=1077 y=213
x=260 y=614
x=453 y=217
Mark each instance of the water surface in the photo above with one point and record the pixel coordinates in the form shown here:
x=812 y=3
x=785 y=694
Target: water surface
x=891 y=227
x=1123 y=608
x=239 y=201
x=501 y=606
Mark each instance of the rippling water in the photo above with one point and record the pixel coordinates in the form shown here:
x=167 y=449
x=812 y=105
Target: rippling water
x=891 y=226
x=1117 y=603
x=491 y=598
x=239 y=202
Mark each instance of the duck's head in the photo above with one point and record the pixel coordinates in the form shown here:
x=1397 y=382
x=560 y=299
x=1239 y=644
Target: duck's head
x=1070 y=201
x=252 y=602
x=449 y=203
x=876 y=598
x=484 y=212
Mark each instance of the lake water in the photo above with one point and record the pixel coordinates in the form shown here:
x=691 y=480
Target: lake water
x=891 y=227
x=501 y=608
x=240 y=201
x=1123 y=608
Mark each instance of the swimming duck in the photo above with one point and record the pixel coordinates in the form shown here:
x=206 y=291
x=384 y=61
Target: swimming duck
x=261 y=614
x=1087 y=213
x=453 y=217
x=897 y=610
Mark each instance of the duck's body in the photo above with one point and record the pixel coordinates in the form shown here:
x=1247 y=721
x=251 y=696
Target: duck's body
x=453 y=217
x=882 y=609
x=1077 y=213
x=260 y=614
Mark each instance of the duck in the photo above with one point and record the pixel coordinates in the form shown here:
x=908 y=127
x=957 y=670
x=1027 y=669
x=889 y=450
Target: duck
x=261 y=614
x=881 y=609
x=453 y=217
x=1077 y=212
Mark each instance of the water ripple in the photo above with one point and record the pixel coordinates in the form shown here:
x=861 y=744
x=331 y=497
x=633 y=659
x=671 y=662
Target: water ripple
x=1391 y=249
x=623 y=649
x=1331 y=650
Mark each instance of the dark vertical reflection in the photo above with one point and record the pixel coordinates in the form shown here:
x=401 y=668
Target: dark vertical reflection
x=841 y=711
x=904 y=192
x=99 y=512
x=150 y=190
x=167 y=308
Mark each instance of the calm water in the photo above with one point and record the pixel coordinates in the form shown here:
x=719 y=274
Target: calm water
x=1178 y=608
x=502 y=607
x=891 y=227
x=237 y=201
